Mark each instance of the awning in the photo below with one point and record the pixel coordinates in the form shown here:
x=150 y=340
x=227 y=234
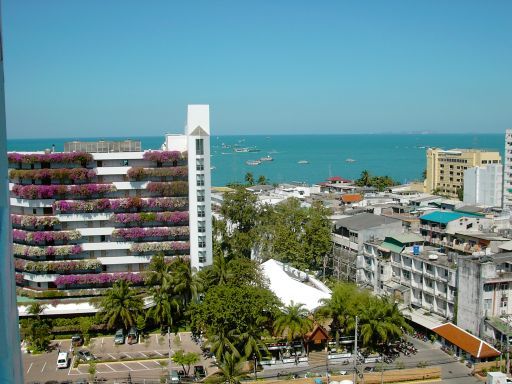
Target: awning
x=429 y=322
x=466 y=341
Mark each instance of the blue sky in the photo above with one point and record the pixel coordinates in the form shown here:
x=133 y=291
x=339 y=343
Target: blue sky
x=124 y=68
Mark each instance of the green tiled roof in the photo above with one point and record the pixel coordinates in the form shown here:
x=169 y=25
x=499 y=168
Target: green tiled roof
x=442 y=217
x=405 y=238
x=392 y=247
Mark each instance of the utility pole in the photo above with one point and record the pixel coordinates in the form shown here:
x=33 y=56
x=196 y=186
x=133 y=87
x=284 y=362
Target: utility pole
x=355 y=354
x=169 y=345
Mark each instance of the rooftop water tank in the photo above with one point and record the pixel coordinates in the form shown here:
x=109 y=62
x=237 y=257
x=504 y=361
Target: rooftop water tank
x=433 y=257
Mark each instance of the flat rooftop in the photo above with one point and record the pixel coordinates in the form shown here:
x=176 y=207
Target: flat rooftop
x=103 y=146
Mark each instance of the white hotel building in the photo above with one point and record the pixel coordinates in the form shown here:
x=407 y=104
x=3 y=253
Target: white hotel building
x=99 y=211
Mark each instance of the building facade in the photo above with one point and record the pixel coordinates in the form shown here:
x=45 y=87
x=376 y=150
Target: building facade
x=445 y=168
x=83 y=220
x=507 y=171
x=484 y=185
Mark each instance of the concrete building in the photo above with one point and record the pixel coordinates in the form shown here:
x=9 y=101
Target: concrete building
x=445 y=168
x=82 y=220
x=507 y=172
x=484 y=185
x=349 y=235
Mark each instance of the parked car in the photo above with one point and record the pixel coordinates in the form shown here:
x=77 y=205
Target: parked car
x=199 y=372
x=85 y=355
x=174 y=377
x=77 y=340
x=119 y=337
x=133 y=336
x=369 y=369
x=62 y=360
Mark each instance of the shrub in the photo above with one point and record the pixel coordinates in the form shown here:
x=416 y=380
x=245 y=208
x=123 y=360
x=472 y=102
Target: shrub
x=139 y=173
x=170 y=188
x=72 y=174
x=140 y=233
x=161 y=246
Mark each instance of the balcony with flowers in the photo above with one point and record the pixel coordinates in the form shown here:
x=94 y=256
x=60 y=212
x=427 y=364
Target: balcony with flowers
x=58 y=267
x=170 y=188
x=21 y=160
x=150 y=219
x=45 y=237
x=161 y=158
x=33 y=252
x=151 y=234
x=35 y=222
x=129 y=204
x=167 y=247
x=99 y=280
x=158 y=174
x=48 y=176
x=57 y=191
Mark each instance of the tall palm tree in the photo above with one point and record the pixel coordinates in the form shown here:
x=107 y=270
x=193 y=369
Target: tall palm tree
x=251 y=341
x=230 y=370
x=341 y=308
x=120 y=305
x=185 y=283
x=220 y=271
x=165 y=307
x=293 y=322
x=159 y=272
x=380 y=323
x=249 y=177
x=365 y=178
x=223 y=342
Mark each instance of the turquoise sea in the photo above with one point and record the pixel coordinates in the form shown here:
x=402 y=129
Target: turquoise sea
x=399 y=156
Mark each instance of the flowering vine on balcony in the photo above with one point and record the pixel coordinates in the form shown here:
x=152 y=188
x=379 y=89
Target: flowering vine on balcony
x=164 y=156
x=171 y=188
x=55 y=191
x=99 y=279
x=139 y=173
x=57 y=266
x=140 y=233
x=161 y=246
x=73 y=174
x=58 y=250
x=34 y=221
x=119 y=204
x=19 y=278
x=61 y=157
x=41 y=237
x=175 y=218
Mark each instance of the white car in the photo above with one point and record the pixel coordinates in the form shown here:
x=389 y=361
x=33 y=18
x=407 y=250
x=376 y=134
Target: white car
x=62 y=360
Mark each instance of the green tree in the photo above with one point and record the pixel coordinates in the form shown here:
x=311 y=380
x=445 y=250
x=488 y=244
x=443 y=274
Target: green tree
x=120 y=305
x=249 y=178
x=341 y=308
x=38 y=329
x=250 y=341
x=364 y=179
x=231 y=370
x=460 y=193
x=317 y=236
x=293 y=322
x=185 y=359
x=85 y=326
x=165 y=307
x=221 y=342
x=262 y=180
x=159 y=271
x=185 y=283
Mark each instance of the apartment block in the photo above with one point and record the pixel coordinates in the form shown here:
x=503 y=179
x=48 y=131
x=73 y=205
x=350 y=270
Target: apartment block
x=507 y=172
x=445 y=168
x=97 y=212
x=484 y=185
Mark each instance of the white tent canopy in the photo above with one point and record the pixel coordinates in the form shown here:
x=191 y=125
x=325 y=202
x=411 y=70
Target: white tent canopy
x=287 y=284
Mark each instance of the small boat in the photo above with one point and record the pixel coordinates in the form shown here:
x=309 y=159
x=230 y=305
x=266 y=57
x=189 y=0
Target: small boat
x=349 y=160
x=266 y=158
x=253 y=162
x=241 y=150
x=212 y=168
x=254 y=149
x=302 y=162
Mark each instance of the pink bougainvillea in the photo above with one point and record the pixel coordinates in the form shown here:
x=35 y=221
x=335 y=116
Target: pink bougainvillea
x=60 y=157
x=175 y=218
x=139 y=173
x=98 y=279
x=60 y=266
x=59 y=250
x=170 y=188
x=164 y=156
x=140 y=233
x=34 y=221
x=53 y=191
x=101 y=205
x=19 y=278
x=73 y=174
x=41 y=237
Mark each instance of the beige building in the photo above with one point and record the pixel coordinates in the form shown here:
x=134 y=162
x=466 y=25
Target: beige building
x=445 y=168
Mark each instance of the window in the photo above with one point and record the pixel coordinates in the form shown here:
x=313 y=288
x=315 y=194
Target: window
x=125 y=163
x=201 y=241
x=429 y=267
x=200 y=180
x=99 y=163
x=199 y=147
x=201 y=226
x=200 y=195
x=504 y=301
x=406 y=275
x=487 y=303
x=34 y=210
x=102 y=238
x=504 y=286
x=47 y=210
x=381 y=270
x=200 y=164
x=202 y=256
x=200 y=211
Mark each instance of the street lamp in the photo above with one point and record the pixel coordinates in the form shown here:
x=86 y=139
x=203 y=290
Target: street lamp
x=255 y=364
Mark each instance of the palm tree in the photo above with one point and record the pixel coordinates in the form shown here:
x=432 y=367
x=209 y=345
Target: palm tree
x=221 y=343
x=262 y=180
x=293 y=322
x=341 y=308
x=365 y=178
x=159 y=271
x=185 y=283
x=120 y=305
x=220 y=271
x=380 y=323
x=164 y=308
x=251 y=341
x=36 y=309
x=249 y=177
x=230 y=370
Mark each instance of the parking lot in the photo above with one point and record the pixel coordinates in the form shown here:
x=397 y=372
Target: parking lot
x=148 y=359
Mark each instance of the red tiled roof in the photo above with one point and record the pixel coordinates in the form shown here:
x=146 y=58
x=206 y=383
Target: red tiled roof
x=337 y=178
x=351 y=198
x=466 y=341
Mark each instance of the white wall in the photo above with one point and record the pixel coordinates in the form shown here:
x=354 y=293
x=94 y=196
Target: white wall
x=483 y=185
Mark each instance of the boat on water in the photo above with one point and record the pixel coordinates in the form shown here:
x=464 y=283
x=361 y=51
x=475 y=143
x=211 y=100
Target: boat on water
x=253 y=162
x=349 y=160
x=266 y=158
x=246 y=149
x=302 y=162
x=213 y=167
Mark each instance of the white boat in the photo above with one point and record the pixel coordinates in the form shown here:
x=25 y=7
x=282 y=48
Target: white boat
x=212 y=167
x=349 y=160
x=253 y=162
x=302 y=162
x=266 y=158
x=241 y=150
